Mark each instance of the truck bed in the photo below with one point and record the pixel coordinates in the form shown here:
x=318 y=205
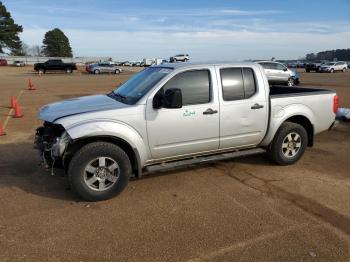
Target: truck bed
x=314 y=103
x=285 y=91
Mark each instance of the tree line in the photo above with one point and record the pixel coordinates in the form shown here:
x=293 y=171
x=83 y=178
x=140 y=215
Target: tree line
x=55 y=42
x=330 y=55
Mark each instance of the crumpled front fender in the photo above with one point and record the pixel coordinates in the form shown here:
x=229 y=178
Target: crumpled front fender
x=110 y=128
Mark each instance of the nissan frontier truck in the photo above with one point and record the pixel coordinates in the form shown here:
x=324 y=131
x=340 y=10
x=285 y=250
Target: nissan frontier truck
x=179 y=114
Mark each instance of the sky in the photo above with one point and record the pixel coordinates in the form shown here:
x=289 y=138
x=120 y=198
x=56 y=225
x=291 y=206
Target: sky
x=208 y=30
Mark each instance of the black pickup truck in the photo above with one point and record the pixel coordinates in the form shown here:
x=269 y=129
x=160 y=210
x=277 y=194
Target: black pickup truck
x=55 y=65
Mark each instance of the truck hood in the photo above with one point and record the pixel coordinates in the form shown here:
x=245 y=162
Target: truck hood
x=85 y=104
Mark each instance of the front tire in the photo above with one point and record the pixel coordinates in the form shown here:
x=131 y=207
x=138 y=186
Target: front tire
x=68 y=71
x=332 y=71
x=291 y=82
x=96 y=72
x=289 y=144
x=117 y=72
x=99 y=171
x=344 y=69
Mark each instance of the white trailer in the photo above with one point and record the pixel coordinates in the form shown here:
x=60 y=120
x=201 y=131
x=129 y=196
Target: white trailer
x=148 y=61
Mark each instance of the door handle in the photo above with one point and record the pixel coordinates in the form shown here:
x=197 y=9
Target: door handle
x=210 y=111
x=257 y=106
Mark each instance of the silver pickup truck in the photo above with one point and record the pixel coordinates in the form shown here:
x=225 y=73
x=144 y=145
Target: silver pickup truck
x=178 y=114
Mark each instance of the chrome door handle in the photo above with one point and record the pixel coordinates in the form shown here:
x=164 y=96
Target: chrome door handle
x=257 y=106
x=210 y=111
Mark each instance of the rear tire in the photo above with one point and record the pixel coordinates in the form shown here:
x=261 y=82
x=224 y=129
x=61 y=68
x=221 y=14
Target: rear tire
x=41 y=71
x=289 y=144
x=99 y=171
x=307 y=70
x=68 y=71
x=332 y=71
x=117 y=72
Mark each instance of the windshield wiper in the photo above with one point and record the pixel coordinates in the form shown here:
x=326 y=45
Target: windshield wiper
x=115 y=96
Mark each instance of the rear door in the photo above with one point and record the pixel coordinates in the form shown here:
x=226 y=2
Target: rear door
x=192 y=129
x=104 y=68
x=243 y=107
x=57 y=65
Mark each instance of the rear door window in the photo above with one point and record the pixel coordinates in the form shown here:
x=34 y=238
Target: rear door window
x=232 y=84
x=237 y=83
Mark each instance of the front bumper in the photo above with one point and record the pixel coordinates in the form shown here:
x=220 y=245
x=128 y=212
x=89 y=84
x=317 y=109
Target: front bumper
x=51 y=141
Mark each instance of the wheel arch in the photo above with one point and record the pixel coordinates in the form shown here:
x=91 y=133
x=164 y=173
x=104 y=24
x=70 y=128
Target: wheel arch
x=306 y=123
x=296 y=113
x=118 y=133
x=131 y=151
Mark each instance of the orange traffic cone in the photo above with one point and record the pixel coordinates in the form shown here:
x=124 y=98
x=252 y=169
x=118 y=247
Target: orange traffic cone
x=18 y=113
x=30 y=84
x=13 y=102
x=2 y=132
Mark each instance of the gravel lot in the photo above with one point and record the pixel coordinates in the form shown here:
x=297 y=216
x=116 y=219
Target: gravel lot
x=244 y=209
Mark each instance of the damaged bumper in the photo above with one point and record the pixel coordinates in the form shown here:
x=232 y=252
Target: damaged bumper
x=51 y=141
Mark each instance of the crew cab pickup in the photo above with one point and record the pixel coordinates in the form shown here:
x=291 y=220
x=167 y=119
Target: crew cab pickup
x=55 y=65
x=179 y=114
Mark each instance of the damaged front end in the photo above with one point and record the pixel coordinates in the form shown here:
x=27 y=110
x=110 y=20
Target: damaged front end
x=51 y=140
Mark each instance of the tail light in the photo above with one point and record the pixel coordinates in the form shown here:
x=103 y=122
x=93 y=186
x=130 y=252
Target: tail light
x=335 y=104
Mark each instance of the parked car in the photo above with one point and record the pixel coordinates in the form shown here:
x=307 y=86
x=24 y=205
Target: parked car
x=332 y=67
x=179 y=58
x=349 y=65
x=136 y=64
x=126 y=63
x=278 y=73
x=3 y=62
x=55 y=65
x=100 y=68
x=19 y=63
x=175 y=115
x=314 y=66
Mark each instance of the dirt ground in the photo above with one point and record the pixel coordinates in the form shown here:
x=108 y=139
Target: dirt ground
x=245 y=209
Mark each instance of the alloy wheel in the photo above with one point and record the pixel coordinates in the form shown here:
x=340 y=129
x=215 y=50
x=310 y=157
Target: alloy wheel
x=291 y=145
x=101 y=173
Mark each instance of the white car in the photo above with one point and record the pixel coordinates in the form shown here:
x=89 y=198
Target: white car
x=180 y=58
x=19 y=63
x=279 y=74
x=331 y=67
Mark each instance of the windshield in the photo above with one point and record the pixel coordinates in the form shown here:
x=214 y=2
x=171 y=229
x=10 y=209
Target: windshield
x=329 y=64
x=136 y=87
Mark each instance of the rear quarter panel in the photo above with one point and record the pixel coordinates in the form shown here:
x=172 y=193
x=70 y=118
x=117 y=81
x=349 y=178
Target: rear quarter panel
x=318 y=108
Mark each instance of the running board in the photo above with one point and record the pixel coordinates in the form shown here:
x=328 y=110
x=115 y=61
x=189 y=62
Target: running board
x=165 y=166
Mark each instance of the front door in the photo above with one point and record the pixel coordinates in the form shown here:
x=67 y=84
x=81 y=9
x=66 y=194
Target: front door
x=192 y=129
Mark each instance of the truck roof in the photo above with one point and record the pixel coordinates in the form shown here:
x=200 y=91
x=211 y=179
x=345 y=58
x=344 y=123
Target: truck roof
x=199 y=64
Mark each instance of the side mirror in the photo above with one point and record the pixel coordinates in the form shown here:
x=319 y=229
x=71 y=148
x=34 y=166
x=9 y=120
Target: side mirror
x=158 y=100
x=172 y=98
